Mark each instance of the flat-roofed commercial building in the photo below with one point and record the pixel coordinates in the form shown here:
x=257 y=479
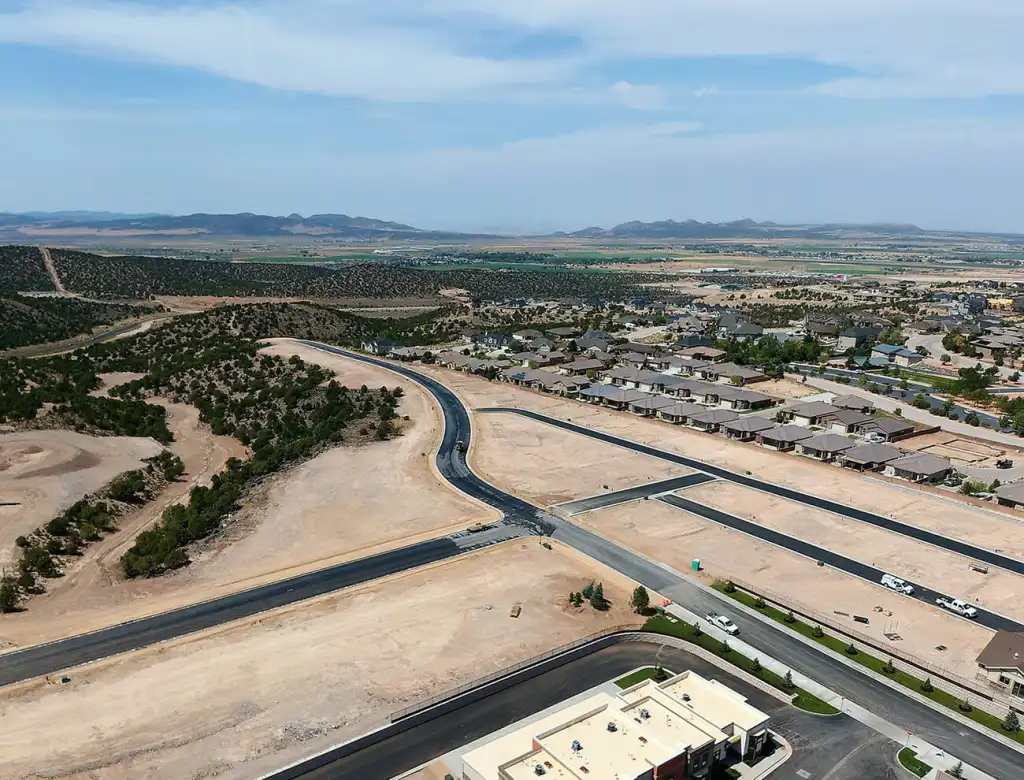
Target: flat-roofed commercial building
x=672 y=730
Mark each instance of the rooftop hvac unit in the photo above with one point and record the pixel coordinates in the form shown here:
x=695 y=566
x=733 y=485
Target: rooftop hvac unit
x=576 y=746
x=612 y=726
x=644 y=713
x=539 y=769
x=686 y=697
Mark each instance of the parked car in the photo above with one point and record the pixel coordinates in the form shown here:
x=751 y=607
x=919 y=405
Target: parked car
x=957 y=606
x=1005 y=463
x=723 y=623
x=875 y=438
x=897 y=584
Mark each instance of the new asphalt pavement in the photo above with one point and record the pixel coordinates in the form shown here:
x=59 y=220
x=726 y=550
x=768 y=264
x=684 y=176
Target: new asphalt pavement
x=861 y=515
x=636 y=493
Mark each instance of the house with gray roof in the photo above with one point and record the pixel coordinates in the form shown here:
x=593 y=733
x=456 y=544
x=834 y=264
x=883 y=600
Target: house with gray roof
x=648 y=407
x=892 y=428
x=857 y=402
x=845 y=420
x=581 y=366
x=825 y=446
x=919 y=467
x=783 y=437
x=742 y=399
x=1001 y=663
x=680 y=412
x=1011 y=495
x=711 y=420
x=870 y=457
x=746 y=427
x=809 y=412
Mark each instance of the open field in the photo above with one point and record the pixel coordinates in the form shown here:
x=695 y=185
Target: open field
x=45 y=472
x=346 y=503
x=252 y=697
x=666 y=534
x=917 y=562
x=549 y=466
x=945 y=516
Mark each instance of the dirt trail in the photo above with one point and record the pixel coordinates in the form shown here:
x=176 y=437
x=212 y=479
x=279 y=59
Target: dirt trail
x=58 y=285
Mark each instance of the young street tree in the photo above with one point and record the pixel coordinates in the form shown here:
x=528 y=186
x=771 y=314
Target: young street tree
x=641 y=600
x=597 y=599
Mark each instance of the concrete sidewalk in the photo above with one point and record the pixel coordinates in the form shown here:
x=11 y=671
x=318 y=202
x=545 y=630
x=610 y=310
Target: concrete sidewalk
x=931 y=755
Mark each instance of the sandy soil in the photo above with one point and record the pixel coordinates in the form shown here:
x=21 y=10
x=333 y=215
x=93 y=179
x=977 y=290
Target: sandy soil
x=920 y=563
x=113 y=379
x=256 y=696
x=784 y=388
x=347 y=503
x=667 y=534
x=548 y=466
x=945 y=516
x=961 y=451
x=45 y=472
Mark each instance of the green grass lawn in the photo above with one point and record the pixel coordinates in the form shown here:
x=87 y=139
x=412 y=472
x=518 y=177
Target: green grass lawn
x=648 y=673
x=663 y=624
x=874 y=663
x=909 y=760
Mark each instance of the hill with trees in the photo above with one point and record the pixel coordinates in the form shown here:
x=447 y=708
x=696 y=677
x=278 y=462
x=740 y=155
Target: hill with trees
x=136 y=278
x=31 y=320
x=22 y=270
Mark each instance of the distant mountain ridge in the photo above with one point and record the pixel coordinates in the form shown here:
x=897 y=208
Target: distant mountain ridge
x=236 y=225
x=741 y=228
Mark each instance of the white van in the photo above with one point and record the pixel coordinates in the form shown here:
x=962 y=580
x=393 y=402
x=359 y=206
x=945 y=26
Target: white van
x=895 y=583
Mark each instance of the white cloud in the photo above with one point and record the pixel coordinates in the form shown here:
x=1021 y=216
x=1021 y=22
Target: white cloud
x=637 y=95
x=415 y=49
x=702 y=92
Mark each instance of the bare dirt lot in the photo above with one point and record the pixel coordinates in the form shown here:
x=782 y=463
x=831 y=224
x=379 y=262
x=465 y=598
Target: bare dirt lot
x=667 y=534
x=548 y=466
x=894 y=553
x=254 y=697
x=960 y=451
x=44 y=472
x=346 y=503
x=945 y=516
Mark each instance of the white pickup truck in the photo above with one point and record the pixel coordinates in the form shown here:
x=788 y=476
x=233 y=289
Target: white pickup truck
x=961 y=608
x=897 y=584
x=722 y=622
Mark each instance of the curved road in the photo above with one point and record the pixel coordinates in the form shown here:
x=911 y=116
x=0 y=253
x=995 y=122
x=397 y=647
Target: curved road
x=983 y=752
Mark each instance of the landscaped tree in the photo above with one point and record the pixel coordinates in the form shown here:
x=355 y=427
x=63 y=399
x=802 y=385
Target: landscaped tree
x=1011 y=722
x=958 y=770
x=641 y=600
x=588 y=590
x=597 y=599
x=787 y=681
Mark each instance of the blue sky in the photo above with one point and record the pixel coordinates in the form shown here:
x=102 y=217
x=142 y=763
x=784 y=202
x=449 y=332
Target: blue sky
x=518 y=114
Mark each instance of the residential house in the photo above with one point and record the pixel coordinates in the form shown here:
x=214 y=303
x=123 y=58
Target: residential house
x=408 y=353
x=581 y=366
x=649 y=407
x=857 y=337
x=742 y=331
x=1001 y=664
x=711 y=420
x=633 y=347
x=1011 y=495
x=631 y=321
x=693 y=339
x=701 y=352
x=563 y=333
x=746 y=427
x=527 y=335
x=845 y=420
x=741 y=399
x=730 y=372
x=825 y=447
x=892 y=428
x=858 y=402
x=680 y=412
x=782 y=438
x=635 y=359
x=616 y=398
x=809 y=413
x=870 y=457
x=921 y=327
x=494 y=340
x=379 y=346
x=899 y=355
x=919 y=467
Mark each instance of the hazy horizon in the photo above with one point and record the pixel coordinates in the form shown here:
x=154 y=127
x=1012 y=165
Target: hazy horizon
x=532 y=116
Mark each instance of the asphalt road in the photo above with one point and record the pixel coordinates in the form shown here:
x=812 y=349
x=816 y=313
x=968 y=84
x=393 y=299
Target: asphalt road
x=879 y=521
x=61 y=655
x=822 y=745
x=635 y=493
x=989 y=619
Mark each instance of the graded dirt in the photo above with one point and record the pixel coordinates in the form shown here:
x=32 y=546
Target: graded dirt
x=254 y=697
